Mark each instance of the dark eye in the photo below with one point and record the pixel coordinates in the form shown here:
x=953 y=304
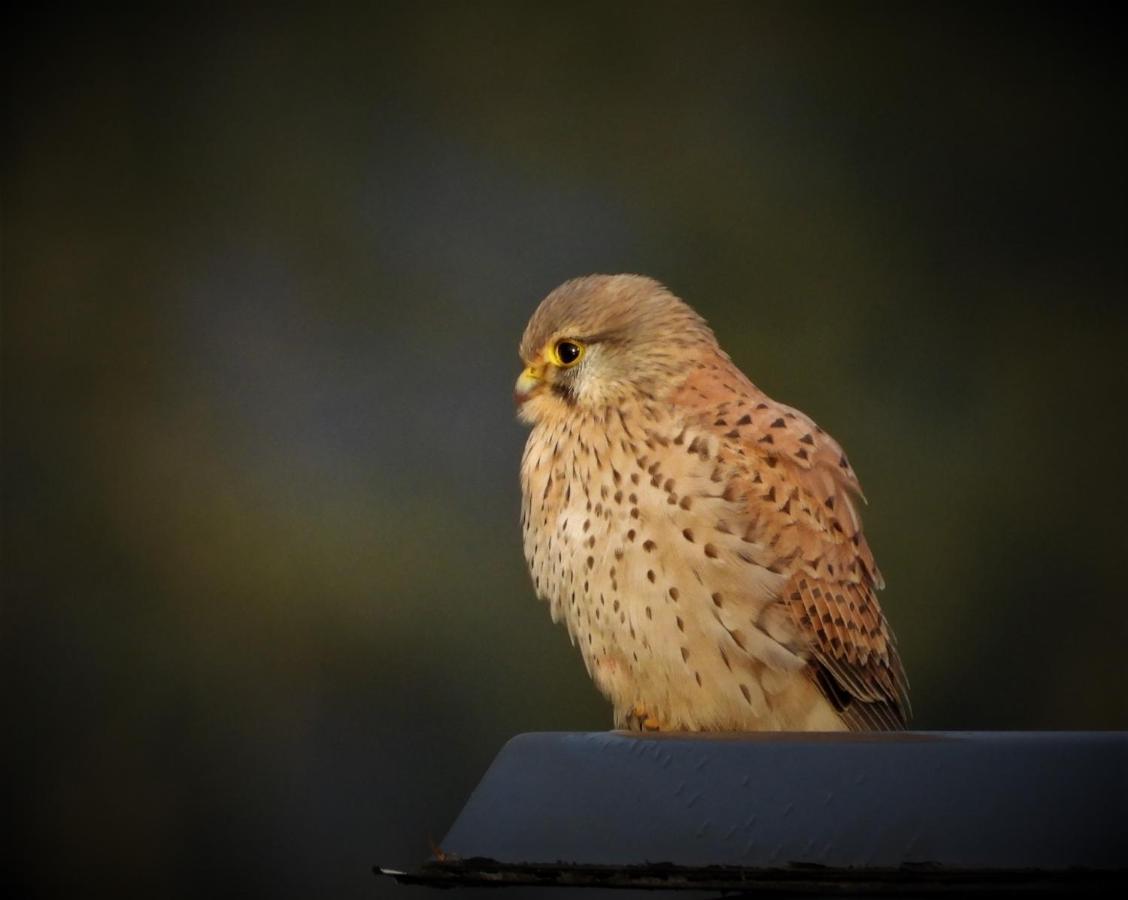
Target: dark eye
x=568 y=353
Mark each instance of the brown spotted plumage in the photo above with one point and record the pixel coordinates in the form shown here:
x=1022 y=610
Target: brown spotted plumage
x=700 y=541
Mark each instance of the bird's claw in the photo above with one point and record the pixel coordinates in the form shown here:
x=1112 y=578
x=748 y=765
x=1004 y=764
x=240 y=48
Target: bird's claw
x=638 y=719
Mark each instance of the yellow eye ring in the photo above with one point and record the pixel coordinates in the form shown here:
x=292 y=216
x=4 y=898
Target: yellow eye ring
x=566 y=353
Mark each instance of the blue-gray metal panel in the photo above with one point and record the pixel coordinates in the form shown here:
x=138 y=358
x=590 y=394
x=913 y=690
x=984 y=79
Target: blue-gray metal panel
x=974 y=800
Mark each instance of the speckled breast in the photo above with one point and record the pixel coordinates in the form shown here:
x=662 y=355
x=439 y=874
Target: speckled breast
x=627 y=536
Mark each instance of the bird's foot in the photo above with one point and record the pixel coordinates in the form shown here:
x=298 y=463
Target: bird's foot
x=638 y=719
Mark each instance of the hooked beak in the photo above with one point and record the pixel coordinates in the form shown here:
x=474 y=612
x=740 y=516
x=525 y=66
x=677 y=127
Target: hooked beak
x=527 y=383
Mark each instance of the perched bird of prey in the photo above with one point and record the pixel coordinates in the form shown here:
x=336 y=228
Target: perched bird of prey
x=700 y=540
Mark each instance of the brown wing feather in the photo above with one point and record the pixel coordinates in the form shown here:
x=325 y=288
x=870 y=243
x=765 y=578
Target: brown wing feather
x=800 y=494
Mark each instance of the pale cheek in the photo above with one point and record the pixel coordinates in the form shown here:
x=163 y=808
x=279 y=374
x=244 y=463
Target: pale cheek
x=588 y=384
x=593 y=392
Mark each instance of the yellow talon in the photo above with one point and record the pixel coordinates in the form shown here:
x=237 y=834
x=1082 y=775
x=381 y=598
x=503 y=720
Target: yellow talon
x=650 y=723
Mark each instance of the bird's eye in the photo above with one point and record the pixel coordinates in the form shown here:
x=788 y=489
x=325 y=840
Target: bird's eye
x=567 y=353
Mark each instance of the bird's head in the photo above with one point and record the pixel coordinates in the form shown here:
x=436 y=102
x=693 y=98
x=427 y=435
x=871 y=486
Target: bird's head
x=602 y=339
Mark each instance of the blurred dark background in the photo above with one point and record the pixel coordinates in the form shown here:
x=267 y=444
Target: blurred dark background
x=265 y=614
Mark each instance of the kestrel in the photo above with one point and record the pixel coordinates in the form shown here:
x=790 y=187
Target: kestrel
x=700 y=540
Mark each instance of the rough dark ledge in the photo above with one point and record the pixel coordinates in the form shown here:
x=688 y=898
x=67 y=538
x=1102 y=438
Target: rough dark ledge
x=918 y=812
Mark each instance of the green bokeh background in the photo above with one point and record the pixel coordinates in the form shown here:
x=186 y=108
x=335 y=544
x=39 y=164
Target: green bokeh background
x=265 y=615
